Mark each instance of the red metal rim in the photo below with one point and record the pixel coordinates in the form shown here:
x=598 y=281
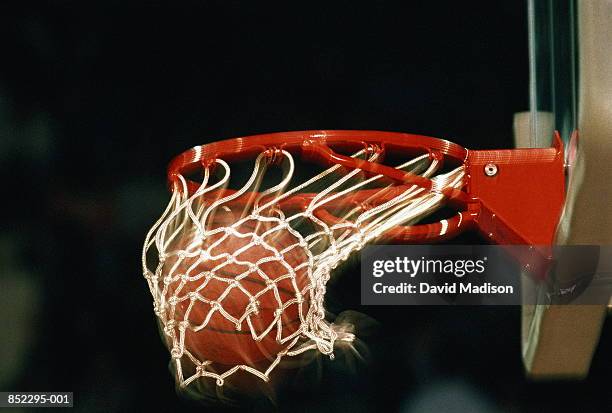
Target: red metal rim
x=320 y=146
x=317 y=143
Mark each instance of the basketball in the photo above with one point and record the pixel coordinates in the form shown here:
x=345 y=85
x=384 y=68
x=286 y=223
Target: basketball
x=234 y=304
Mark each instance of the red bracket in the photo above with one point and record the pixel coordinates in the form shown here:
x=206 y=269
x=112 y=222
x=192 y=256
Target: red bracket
x=521 y=194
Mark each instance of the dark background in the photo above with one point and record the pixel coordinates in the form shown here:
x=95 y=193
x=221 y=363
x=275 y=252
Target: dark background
x=96 y=98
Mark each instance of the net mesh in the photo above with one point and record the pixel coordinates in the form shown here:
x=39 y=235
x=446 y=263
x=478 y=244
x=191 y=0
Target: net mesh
x=238 y=277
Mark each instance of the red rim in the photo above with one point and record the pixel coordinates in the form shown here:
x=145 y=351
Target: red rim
x=317 y=143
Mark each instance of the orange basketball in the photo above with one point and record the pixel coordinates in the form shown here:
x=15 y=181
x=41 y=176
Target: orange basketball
x=220 y=279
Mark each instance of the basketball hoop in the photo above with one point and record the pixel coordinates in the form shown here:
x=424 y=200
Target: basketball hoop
x=238 y=274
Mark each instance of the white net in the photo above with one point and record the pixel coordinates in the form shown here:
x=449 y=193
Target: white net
x=238 y=278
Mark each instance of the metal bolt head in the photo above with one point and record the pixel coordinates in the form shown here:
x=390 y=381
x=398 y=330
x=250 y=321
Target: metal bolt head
x=490 y=169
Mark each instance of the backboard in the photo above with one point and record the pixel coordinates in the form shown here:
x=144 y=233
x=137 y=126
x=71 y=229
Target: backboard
x=569 y=72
